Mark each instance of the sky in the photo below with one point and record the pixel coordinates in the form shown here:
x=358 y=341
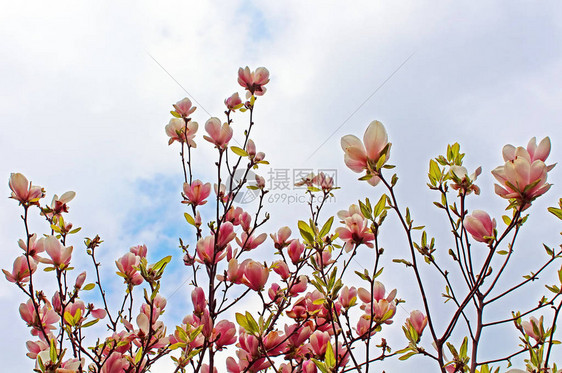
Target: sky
x=87 y=89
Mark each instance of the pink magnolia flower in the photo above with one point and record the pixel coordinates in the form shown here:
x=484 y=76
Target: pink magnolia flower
x=59 y=205
x=199 y=300
x=219 y=134
x=234 y=272
x=533 y=151
x=295 y=251
x=35 y=348
x=319 y=342
x=179 y=131
x=158 y=305
x=281 y=268
x=382 y=309
x=33 y=250
x=275 y=293
x=56 y=302
x=248 y=243
x=464 y=182
x=280 y=238
x=115 y=363
x=360 y=156
x=233 y=102
x=76 y=310
x=206 y=251
x=418 y=321
x=307 y=180
x=253 y=81
x=364 y=327
x=530 y=326
x=251 y=148
x=298 y=334
x=184 y=107
x=260 y=181
x=206 y=369
x=255 y=275
x=355 y=232
x=233 y=215
x=324 y=259
x=299 y=287
x=348 y=297
x=224 y=334
x=60 y=255
x=323 y=181
x=523 y=177
x=139 y=250
x=23 y=190
x=220 y=191
x=225 y=234
x=480 y=226
x=45 y=318
x=128 y=268
x=308 y=366
x=353 y=209
x=71 y=366
x=21 y=270
x=245 y=221
x=99 y=313
x=274 y=343
x=80 y=280
x=197 y=192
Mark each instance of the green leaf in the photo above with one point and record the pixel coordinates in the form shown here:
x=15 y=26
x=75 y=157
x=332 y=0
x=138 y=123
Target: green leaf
x=453 y=350
x=53 y=351
x=556 y=212
x=330 y=358
x=68 y=318
x=138 y=355
x=434 y=172
x=506 y=219
x=254 y=328
x=89 y=286
x=77 y=316
x=189 y=218
x=381 y=161
x=502 y=252
x=363 y=276
x=365 y=210
x=408 y=218
x=320 y=365
x=439 y=205
x=161 y=264
x=407 y=356
x=241 y=320
x=464 y=348
x=403 y=261
x=90 y=323
x=326 y=227
x=75 y=230
x=380 y=206
x=306 y=231
x=239 y=151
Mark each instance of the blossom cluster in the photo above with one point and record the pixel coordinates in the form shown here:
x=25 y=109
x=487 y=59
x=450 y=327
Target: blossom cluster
x=307 y=317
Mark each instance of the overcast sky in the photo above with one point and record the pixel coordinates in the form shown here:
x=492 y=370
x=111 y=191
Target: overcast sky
x=87 y=88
